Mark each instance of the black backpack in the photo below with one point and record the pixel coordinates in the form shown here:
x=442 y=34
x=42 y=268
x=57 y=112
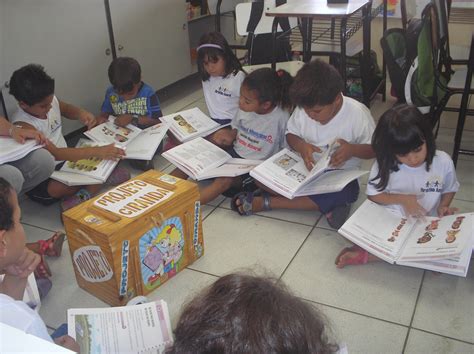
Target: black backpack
x=260 y=50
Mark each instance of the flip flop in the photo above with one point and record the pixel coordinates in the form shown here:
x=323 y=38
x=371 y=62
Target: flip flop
x=53 y=246
x=42 y=270
x=361 y=257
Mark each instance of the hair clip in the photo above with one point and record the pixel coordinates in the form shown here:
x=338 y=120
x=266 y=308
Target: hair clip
x=279 y=72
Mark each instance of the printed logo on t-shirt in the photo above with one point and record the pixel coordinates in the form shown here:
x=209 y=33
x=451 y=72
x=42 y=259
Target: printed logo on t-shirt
x=134 y=106
x=252 y=139
x=223 y=91
x=114 y=98
x=54 y=124
x=435 y=184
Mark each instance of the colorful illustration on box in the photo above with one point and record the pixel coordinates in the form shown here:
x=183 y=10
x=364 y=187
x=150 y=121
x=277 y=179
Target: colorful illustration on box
x=161 y=250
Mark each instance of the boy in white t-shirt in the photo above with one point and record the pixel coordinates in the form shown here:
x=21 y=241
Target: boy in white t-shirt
x=323 y=114
x=17 y=263
x=38 y=108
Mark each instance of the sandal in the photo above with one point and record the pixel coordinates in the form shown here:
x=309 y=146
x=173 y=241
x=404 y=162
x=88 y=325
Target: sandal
x=361 y=257
x=53 y=246
x=42 y=270
x=245 y=208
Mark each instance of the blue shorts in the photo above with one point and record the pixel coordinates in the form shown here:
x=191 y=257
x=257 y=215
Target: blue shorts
x=328 y=201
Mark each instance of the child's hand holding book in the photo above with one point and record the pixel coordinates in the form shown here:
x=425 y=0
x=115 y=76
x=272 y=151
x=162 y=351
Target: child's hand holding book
x=306 y=151
x=108 y=152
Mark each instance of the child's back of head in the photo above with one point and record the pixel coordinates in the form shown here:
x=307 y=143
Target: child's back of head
x=316 y=83
x=31 y=84
x=270 y=86
x=6 y=207
x=248 y=314
x=124 y=73
x=213 y=46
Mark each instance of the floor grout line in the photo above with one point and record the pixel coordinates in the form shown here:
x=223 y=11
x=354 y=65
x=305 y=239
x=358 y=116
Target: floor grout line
x=414 y=310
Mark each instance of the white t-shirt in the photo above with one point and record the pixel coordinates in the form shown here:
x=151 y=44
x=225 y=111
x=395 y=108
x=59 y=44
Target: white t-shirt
x=260 y=136
x=353 y=123
x=50 y=127
x=222 y=95
x=17 y=314
x=428 y=185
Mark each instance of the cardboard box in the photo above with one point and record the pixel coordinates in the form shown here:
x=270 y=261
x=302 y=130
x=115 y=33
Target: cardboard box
x=133 y=238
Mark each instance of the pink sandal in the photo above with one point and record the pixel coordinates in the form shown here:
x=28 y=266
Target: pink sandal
x=53 y=246
x=361 y=257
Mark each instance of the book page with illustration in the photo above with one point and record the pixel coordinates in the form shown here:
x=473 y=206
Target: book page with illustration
x=109 y=132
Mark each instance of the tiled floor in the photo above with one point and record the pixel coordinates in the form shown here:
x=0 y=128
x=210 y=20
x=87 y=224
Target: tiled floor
x=377 y=308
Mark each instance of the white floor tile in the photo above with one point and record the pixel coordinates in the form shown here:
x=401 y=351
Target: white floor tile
x=363 y=334
x=446 y=306
x=232 y=243
x=47 y=217
x=422 y=342
x=377 y=289
x=181 y=289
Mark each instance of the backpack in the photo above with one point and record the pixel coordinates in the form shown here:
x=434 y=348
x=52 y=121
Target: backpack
x=424 y=86
x=400 y=50
x=260 y=49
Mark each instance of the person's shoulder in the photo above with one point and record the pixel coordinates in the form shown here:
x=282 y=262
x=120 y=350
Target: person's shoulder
x=353 y=106
x=281 y=114
x=442 y=157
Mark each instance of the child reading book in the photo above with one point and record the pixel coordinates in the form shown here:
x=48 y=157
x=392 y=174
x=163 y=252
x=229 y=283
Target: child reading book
x=38 y=108
x=130 y=100
x=249 y=314
x=323 y=115
x=409 y=174
x=17 y=263
x=258 y=129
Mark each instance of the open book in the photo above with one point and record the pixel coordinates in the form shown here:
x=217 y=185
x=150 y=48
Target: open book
x=438 y=244
x=93 y=170
x=189 y=124
x=10 y=150
x=201 y=159
x=110 y=133
x=286 y=174
x=143 y=328
x=144 y=146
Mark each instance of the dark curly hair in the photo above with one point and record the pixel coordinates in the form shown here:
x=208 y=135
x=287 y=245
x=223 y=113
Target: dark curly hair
x=316 y=83
x=6 y=208
x=31 y=84
x=249 y=314
x=271 y=86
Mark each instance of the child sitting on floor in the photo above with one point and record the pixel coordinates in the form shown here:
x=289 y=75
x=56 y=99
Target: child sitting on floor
x=406 y=163
x=258 y=129
x=38 y=108
x=323 y=114
x=130 y=100
x=17 y=263
x=248 y=314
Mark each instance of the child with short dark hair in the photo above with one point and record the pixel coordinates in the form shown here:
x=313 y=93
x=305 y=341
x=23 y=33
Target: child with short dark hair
x=130 y=100
x=323 y=114
x=40 y=109
x=407 y=166
x=249 y=314
x=17 y=263
x=258 y=129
